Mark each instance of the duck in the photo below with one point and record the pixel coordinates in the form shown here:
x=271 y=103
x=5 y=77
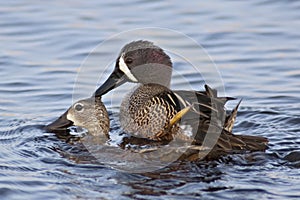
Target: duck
x=89 y=114
x=155 y=112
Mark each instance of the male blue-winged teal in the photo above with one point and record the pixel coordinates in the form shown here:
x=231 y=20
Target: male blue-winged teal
x=89 y=113
x=154 y=111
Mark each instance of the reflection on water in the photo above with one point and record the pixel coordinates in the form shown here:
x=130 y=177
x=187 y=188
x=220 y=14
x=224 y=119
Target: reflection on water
x=254 y=44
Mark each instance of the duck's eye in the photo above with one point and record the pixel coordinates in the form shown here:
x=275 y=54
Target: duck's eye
x=128 y=61
x=78 y=107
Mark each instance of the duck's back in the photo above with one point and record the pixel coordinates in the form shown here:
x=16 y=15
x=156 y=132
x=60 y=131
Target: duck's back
x=148 y=110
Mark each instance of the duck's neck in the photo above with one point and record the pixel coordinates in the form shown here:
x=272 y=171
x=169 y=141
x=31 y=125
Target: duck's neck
x=154 y=73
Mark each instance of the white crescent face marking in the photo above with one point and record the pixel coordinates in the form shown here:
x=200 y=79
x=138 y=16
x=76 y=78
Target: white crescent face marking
x=123 y=67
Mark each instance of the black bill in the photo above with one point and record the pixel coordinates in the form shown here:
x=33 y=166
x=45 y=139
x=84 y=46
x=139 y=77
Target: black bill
x=59 y=125
x=116 y=79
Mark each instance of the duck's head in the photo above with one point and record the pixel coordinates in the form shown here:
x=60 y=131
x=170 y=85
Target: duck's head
x=139 y=62
x=88 y=113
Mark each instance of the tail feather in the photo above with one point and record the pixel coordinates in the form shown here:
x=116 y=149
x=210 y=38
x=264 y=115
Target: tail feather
x=228 y=142
x=230 y=119
x=254 y=143
x=210 y=92
x=209 y=102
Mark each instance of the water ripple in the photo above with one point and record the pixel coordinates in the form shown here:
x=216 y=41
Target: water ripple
x=254 y=44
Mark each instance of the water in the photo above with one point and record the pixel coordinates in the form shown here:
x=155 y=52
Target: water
x=254 y=44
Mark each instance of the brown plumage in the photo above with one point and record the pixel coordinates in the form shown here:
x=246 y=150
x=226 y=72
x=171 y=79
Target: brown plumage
x=88 y=113
x=147 y=113
x=154 y=112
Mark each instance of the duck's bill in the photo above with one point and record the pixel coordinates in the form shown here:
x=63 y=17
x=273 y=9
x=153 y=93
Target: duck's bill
x=59 y=125
x=116 y=79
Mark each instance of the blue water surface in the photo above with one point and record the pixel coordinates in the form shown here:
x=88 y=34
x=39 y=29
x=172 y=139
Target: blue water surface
x=255 y=45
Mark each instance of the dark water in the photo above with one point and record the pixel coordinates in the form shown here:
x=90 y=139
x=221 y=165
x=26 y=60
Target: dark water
x=255 y=45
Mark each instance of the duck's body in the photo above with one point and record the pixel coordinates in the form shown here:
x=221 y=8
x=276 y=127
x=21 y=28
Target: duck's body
x=148 y=111
x=153 y=111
